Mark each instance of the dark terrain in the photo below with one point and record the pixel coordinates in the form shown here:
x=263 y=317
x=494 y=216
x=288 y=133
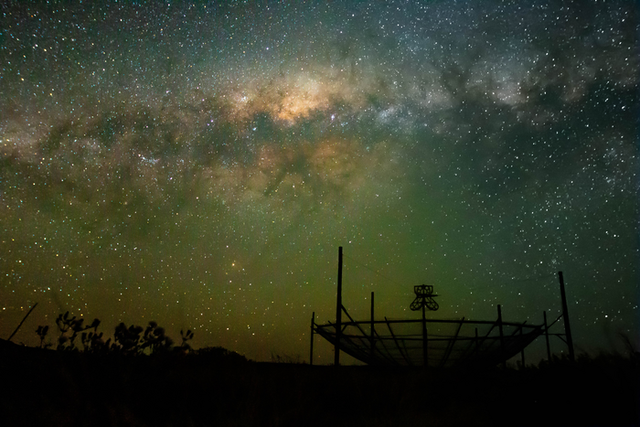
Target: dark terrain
x=220 y=388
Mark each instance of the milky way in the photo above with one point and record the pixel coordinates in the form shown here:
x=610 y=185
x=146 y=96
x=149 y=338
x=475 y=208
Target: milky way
x=199 y=165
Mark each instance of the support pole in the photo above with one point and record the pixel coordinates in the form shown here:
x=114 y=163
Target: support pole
x=504 y=362
x=425 y=340
x=546 y=335
x=521 y=352
x=313 y=320
x=372 y=329
x=565 y=317
x=336 y=355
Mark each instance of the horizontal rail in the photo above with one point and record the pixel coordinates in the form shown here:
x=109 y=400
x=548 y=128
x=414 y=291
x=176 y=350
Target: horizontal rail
x=419 y=321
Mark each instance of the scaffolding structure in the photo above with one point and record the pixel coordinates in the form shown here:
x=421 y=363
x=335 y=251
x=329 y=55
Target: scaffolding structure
x=430 y=342
x=447 y=342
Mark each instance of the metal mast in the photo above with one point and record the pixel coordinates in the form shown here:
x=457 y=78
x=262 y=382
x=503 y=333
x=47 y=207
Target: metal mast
x=424 y=299
x=336 y=360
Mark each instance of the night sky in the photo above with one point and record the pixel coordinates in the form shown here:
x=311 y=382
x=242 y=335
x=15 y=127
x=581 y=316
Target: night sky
x=199 y=165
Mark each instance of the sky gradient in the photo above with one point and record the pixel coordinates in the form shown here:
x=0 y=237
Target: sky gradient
x=199 y=165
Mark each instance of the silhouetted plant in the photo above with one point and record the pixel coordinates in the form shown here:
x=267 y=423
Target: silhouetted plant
x=127 y=340
x=92 y=341
x=186 y=337
x=155 y=339
x=132 y=340
x=69 y=328
x=42 y=333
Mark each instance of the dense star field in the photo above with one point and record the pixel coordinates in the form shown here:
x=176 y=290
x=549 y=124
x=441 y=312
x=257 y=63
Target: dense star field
x=199 y=165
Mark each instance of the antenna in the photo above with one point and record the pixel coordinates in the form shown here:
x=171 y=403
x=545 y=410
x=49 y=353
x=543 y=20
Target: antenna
x=338 y=311
x=424 y=298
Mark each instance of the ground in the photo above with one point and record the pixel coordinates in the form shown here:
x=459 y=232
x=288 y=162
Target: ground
x=224 y=389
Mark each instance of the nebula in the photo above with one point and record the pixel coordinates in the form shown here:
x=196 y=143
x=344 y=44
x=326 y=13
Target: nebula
x=199 y=165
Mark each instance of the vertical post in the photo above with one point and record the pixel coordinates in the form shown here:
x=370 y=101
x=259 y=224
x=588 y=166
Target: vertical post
x=565 y=317
x=546 y=336
x=504 y=362
x=336 y=360
x=522 y=351
x=373 y=342
x=23 y=319
x=313 y=320
x=425 y=341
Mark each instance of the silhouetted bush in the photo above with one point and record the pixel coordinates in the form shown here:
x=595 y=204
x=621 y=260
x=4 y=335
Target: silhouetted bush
x=69 y=328
x=132 y=340
x=42 y=332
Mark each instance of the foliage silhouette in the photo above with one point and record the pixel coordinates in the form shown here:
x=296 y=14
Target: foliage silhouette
x=42 y=334
x=186 y=337
x=131 y=340
x=69 y=328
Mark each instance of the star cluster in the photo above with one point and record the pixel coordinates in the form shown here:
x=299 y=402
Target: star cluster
x=199 y=164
